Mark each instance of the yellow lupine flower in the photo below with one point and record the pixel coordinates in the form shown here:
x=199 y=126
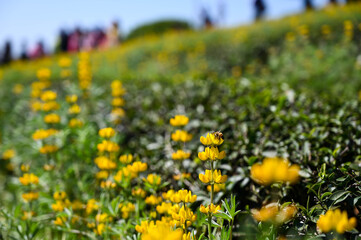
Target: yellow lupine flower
x=100 y=229
x=59 y=221
x=64 y=62
x=52 y=118
x=74 y=123
x=153 y=200
x=179 y=120
x=8 y=154
x=50 y=106
x=184 y=217
x=74 y=109
x=211 y=153
x=30 y=196
x=118 y=113
x=107 y=184
x=59 y=195
x=117 y=88
x=182 y=176
x=27 y=179
x=126 y=158
x=153 y=179
x=43 y=74
x=44 y=133
x=275 y=170
x=138 y=167
x=211 y=139
x=162 y=231
x=27 y=215
x=71 y=98
x=91 y=206
x=138 y=193
x=215 y=177
x=48 y=96
x=216 y=187
x=210 y=208
x=180 y=155
x=107 y=132
x=117 y=102
x=25 y=167
x=143 y=227
x=126 y=209
x=102 y=175
x=336 y=220
x=103 y=217
x=107 y=146
x=274 y=213
x=104 y=163
x=183 y=196
x=163 y=208
x=181 y=136
x=77 y=205
x=46 y=149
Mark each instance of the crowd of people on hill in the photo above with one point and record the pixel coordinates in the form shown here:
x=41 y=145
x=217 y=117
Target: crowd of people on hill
x=73 y=41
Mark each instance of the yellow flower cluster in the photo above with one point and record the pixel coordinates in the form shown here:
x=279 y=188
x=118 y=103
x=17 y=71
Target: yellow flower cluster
x=84 y=72
x=126 y=209
x=211 y=153
x=118 y=102
x=8 y=154
x=211 y=208
x=30 y=196
x=179 y=120
x=158 y=230
x=212 y=178
x=180 y=155
x=107 y=132
x=108 y=146
x=181 y=136
x=47 y=149
x=41 y=134
x=74 y=110
x=274 y=213
x=28 y=179
x=184 y=196
x=52 y=118
x=65 y=63
x=275 y=170
x=126 y=158
x=336 y=220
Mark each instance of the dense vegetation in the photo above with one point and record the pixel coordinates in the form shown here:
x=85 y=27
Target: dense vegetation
x=285 y=89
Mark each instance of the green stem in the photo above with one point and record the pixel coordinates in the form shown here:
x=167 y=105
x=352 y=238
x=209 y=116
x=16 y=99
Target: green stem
x=230 y=231
x=210 y=226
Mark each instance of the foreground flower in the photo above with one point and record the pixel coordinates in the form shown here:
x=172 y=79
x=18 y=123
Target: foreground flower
x=183 y=196
x=162 y=231
x=215 y=177
x=336 y=220
x=211 y=153
x=215 y=138
x=179 y=120
x=210 y=208
x=273 y=212
x=275 y=170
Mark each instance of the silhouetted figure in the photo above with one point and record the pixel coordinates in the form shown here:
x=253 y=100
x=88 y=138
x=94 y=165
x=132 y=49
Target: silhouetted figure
x=38 y=51
x=308 y=5
x=333 y=2
x=63 y=41
x=6 y=58
x=24 y=52
x=206 y=19
x=260 y=8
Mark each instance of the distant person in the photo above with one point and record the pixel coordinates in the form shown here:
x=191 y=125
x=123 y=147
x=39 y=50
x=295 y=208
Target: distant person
x=333 y=2
x=100 y=38
x=38 y=51
x=308 y=5
x=75 y=40
x=6 y=58
x=24 y=52
x=260 y=8
x=63 y=37
x=206 y=19
x=113 y=35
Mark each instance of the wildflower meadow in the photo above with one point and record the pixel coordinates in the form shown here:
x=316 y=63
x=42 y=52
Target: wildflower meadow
x=243 y=133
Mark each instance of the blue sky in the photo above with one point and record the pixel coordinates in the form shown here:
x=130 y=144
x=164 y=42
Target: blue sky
x=32 y=20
